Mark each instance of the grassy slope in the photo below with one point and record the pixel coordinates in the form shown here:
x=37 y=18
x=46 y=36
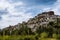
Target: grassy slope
x=31 y=37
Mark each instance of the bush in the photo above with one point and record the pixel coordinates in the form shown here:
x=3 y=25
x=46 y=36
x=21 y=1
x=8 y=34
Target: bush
x=54 y=35
x=44 y=35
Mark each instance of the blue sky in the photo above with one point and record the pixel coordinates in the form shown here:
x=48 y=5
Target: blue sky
x=13 y=12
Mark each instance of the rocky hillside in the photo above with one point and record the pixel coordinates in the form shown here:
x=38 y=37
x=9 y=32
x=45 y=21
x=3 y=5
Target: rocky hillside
x=41 y=19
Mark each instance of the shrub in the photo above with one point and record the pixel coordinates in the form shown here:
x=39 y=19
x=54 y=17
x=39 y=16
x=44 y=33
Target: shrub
x=44 y=35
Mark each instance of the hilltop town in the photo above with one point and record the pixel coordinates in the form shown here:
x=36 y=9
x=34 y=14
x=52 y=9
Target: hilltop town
x=45 y=25
x=41 y=19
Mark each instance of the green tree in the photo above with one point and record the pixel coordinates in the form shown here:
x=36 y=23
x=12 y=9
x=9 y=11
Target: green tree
x=24 y=30
x=15 y=32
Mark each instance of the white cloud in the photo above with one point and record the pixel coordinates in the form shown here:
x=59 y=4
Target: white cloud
x=13 y=17
x=55 y=7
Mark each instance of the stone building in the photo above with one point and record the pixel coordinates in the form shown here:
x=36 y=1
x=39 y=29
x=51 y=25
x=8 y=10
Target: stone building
x=42 y=19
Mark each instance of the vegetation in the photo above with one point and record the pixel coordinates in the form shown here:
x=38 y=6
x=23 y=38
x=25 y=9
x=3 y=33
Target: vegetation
x=51 y=31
